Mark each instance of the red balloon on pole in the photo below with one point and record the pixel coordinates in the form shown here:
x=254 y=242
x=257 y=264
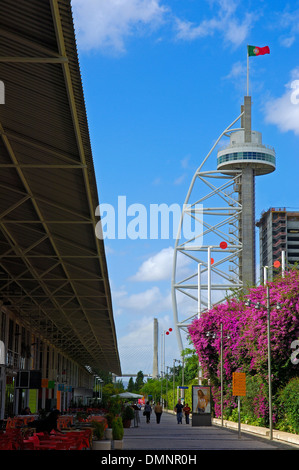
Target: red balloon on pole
x=212 y=260
x=223 y=245
x=170 y=329
x=276 y=264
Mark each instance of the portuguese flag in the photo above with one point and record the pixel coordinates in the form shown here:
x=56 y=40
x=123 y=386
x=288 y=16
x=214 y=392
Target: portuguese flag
x=254 y=50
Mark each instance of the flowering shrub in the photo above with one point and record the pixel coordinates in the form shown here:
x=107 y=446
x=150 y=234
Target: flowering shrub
x=289 y=406
x=245 y=346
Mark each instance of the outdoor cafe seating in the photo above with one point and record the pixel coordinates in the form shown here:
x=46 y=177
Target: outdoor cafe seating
x=17 y=436
x=16 y=439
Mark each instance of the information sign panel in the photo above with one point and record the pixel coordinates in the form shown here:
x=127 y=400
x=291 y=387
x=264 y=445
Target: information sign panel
x=239 y=384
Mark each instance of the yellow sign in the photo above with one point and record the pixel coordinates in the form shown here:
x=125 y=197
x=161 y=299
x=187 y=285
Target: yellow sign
x=33 y=399
x=239 y=384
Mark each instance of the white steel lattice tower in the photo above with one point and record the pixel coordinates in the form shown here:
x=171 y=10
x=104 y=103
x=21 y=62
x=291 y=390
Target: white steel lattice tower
x=221 y=256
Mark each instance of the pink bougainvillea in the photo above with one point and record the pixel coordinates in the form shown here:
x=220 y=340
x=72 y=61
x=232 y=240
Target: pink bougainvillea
x=245 y=344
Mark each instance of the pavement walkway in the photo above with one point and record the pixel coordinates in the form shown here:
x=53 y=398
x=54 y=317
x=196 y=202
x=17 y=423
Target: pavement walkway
x=168 y=435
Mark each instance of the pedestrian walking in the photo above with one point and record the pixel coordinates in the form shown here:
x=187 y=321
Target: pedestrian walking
x=158 y=412
x=186 y=411
x=179 y=411
x=147 y=411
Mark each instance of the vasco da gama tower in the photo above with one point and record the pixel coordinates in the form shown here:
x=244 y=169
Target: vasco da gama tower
x=223 y=254
x=247 y=154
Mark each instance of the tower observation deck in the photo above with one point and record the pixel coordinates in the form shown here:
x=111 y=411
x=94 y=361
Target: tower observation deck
x=221 y=255
x=241 y=154
x=247 y=154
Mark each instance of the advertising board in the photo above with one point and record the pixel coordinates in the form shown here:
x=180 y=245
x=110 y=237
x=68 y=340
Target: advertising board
x=201 y=405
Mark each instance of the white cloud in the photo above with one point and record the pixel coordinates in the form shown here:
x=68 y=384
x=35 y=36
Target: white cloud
x=150 y=300
x=159 y=266
x=140 y=335
x=106 y=24
x=287 y=41
x=237 y=76
x=136 y=347
x=225 y=23
x=289 y=21
x=156 y=268
x=236 y=32
x=185 y=162
x=284 y=111
x=180 y=180
x=238 y=71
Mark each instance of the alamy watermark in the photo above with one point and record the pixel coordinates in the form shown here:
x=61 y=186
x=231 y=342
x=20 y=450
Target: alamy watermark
x=295 y=93
x=160 y=221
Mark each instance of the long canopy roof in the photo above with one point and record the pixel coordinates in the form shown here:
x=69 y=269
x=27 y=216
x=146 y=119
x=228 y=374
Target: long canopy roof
x=52 y=265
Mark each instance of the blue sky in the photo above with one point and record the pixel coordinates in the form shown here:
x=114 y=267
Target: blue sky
x=162 y=79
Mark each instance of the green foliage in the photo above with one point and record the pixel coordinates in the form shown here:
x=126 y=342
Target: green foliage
x=190 y=366
x=255 y=404
x=127 y=413
x=131 y=385
x=111 y=389
x=98 y=429
x=139 y=381
x=289 y=406
x=152 y=387
x=136 y=386
x=106 y=377
x=110 y=418
x=114 y=405
x=117 y=429
x=245 y=348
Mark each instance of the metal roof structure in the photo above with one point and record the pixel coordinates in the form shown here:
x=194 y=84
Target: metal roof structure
x=52 y=266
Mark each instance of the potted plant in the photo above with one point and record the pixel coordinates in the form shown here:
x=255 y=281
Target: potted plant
x=127 y=415
x=117 y=433
x=108 y=431
x=98 y=442
x=113 y=410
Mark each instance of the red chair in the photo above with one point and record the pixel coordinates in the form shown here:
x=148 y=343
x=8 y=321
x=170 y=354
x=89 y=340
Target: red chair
x=15 y=437
x=6 y=445
x=28 y=445
x=79 y=439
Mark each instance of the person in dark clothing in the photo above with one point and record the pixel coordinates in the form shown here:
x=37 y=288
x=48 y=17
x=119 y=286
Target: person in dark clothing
x=47 y=424
x=179 y=411
x=147 y=412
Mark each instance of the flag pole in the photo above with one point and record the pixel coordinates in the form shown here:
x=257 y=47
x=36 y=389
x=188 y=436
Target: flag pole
x=247 y=72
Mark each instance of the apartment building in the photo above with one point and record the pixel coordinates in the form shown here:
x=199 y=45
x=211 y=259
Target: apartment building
x=278 y=232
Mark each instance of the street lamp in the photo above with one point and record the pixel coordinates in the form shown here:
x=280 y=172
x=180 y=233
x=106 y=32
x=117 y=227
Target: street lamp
x=223 y=245
x=167 y=386
x=163 y=357
x=173 y=376
x=258 y=305
x=213 y=335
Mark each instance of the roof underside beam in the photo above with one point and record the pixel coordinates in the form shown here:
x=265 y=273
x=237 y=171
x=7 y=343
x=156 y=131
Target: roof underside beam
x=52 y=266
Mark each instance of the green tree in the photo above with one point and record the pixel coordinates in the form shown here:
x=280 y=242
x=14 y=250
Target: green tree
x=131 y=385
x=289 y=406
x=153 y=388
x=139 y=381
x=190 y=365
